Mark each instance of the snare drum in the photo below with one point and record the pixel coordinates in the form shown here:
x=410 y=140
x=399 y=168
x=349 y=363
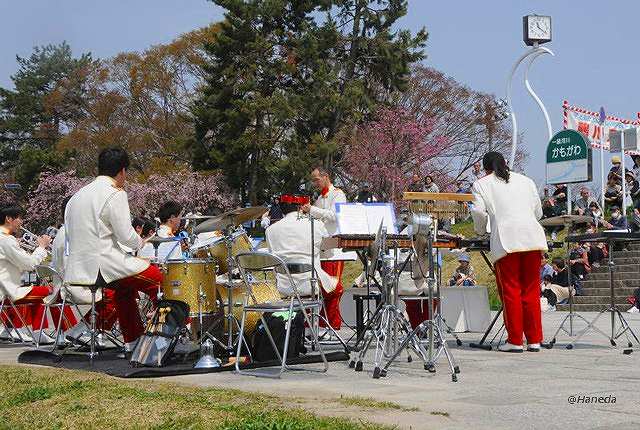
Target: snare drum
x=184 y=279
x=216 y=248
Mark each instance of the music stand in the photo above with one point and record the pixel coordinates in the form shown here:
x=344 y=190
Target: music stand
x=568 y=221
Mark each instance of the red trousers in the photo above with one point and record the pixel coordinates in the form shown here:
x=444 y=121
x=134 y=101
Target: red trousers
x=32 y=308
x=331 y=306
x=518 y=279
x=125 y=295
x=418 y=311
x=105 y=310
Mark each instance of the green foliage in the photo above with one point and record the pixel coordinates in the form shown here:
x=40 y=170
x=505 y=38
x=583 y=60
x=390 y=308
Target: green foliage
x=285 y=76
x=33 y=114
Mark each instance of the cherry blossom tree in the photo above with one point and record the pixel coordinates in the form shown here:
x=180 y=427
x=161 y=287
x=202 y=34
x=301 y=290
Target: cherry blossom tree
x=386 y=152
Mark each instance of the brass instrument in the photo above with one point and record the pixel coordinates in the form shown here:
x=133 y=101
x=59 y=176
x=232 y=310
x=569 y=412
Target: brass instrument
x=29 y=240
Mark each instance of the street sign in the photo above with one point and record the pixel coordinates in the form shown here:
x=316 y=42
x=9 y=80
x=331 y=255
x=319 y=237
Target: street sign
x=568 y=158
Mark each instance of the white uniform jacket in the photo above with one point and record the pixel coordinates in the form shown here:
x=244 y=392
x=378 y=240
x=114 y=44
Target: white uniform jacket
x=290 y=239
x=164 y=231
x=513 y=209
x=13 y=262
x=324 y=209
x=96 y=219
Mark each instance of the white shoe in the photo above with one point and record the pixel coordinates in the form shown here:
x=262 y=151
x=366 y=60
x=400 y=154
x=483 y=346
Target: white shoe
x=24 y=335
x=507 y=347
x=533 y=347
x=130 y=346
x=43 y=338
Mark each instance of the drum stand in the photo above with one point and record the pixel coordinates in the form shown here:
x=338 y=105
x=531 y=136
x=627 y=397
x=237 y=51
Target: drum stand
x=614 y=311
x=431 y=327
x=571 y=315
x=388 y=321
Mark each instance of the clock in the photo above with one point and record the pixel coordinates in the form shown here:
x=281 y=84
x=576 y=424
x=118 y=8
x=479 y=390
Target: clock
x=536 y=29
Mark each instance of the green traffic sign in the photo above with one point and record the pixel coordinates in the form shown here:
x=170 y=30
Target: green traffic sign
x=567 y=145
x=568 y=158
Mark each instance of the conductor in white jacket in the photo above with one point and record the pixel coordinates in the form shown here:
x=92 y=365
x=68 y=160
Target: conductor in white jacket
x=509 y=202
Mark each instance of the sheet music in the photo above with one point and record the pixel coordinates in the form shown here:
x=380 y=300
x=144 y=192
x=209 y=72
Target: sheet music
x=364 y=218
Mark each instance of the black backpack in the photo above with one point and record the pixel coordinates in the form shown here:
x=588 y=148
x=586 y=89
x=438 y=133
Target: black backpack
x=163 y=331
x=261 y=346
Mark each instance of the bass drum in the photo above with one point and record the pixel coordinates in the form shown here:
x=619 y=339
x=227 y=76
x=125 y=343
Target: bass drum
x=184 y=279
x=263 y=292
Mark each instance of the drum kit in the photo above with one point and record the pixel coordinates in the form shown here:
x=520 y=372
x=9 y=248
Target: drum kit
x=205 y=278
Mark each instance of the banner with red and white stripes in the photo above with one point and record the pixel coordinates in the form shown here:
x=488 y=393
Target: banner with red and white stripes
x=588 y=123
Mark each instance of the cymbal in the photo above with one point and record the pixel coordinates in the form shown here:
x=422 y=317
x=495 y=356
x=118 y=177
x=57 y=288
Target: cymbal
x=231 y=218
x=565 y=220
x=197 y=217
x=159 y=240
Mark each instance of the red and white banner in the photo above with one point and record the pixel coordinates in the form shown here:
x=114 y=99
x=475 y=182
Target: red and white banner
x=588 y=123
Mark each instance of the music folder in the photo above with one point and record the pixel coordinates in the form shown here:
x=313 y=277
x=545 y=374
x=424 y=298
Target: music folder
x=365 y=218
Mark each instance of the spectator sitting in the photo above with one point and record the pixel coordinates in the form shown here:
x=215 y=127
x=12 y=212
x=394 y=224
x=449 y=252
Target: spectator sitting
x=416 y=184
x=545 y=268
x=548 y=299
x=430 y=186
x=595 y=254
x=616 y=169
x=613 y=192
x=365 y=195
x=560 y=198
x=635 y=218
x=582 y=203
x=595 y=212
x=617 y=221
x=560 y=280
x=464 y=274
x=461 y=188
x=636 y=166
x=579 y=260
x=633 y=187
x=550 y=210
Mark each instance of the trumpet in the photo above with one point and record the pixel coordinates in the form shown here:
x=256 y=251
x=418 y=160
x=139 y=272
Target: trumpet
x=29 y=240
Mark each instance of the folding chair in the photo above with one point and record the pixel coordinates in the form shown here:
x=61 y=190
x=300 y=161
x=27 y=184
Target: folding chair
x=62 y=298
x=8 y=303
x=252 y=262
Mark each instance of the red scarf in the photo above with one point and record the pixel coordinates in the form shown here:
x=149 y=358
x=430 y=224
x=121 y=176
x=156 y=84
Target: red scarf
x=324 y=192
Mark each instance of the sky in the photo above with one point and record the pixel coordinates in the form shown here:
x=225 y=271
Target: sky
x=475 y=42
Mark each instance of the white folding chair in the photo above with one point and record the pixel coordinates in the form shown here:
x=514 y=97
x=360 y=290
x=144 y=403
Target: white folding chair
x=252 y=262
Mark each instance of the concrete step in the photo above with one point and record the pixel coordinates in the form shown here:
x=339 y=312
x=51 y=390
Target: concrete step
x=622 y=260
x=617 y=276
x=618 y=268
x=590 y=307
x=620 y=291
x=592 y=300
x=626 y=254
x=633 y=284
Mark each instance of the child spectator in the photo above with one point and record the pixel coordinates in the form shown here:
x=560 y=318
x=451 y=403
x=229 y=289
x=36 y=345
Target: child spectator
x=464 y=274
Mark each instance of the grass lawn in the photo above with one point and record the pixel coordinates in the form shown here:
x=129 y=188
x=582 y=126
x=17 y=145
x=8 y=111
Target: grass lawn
x=41 y=398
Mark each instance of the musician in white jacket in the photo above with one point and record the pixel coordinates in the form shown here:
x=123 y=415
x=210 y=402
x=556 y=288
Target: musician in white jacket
x=290 y=239
x=97 y=218
x=14 y=261
x=324 y=209
x=509 y=202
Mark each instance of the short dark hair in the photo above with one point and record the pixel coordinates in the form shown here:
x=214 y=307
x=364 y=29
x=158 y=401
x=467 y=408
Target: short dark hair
x=111 y=161
x=547 y=278
x=169 y=209
x=428 y=177
x=10 y=209
x=138 y=222
x=559 y=262
x=288 y=207
x=322 y=170
x=148 y=227
x=64 y=207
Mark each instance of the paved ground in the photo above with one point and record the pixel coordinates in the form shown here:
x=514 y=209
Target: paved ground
x=495 y=390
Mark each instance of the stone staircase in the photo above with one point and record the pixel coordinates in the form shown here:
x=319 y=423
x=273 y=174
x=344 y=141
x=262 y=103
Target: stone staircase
x=596 y=288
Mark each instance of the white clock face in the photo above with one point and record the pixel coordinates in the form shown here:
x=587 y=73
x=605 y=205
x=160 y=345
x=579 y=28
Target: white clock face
x=539 y=27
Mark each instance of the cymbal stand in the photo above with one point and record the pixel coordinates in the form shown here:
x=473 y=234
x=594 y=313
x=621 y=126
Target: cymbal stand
x=388 y=321
x=436 y=342
x=231 y=318
x=614 y=311
x=572 y=314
